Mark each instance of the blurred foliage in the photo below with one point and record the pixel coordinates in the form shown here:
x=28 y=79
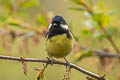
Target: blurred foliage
x=16 y=30
x=40 y=75
x=13 y=25
x=97 y=27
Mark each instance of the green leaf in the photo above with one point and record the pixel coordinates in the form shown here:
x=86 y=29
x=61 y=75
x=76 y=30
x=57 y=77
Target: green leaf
x=28 y=3
x=100 y=4
x=42 y=19
x=40 y=76
x=85 y=32
x=100 y=17
x=7 y=3
x=2 y=18
x=97 y=16
x=80 y=2
x=14 y=23
x=76 y=38
x=86 y=54
x=111 y=30
x=77 y=9
x=99 y=35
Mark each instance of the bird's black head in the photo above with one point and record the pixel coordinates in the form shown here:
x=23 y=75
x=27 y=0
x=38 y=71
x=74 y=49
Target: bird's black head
x=58 y=20
x=58 y=26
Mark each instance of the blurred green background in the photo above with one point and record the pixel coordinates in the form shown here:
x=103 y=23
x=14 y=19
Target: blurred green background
x=27 y=14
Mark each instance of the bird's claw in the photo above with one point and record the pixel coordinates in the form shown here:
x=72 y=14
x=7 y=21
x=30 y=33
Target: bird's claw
x=67 y=62
x=51 y=60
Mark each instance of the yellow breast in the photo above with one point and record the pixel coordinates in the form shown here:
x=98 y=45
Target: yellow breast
x=59 y=46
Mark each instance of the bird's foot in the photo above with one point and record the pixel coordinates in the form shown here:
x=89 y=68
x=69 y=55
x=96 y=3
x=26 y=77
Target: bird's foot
x=67 y=63
x=51 y=60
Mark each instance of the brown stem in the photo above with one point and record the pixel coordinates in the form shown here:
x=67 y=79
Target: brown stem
x=103 y=29
x=102 y=53
x=110 y=39
x=98 y=77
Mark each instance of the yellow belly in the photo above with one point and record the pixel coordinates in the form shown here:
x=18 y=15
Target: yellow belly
x=59 y=46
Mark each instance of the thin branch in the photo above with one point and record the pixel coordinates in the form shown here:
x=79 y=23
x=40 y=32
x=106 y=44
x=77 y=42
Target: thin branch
x=102 y=53
x=109 y=38
x=98 y=77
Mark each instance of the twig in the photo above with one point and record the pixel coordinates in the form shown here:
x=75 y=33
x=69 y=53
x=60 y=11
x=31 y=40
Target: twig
x=109 y=38
x=102 y=53
x=98 y=77
x=45 y=66
x=41 y=71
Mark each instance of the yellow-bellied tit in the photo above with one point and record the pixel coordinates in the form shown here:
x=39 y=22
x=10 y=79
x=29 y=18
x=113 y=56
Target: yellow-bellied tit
x=59 y=39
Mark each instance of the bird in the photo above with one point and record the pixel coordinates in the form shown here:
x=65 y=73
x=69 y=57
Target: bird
x=59 y=39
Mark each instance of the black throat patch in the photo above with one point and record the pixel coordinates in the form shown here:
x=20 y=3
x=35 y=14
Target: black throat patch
x=53 y=31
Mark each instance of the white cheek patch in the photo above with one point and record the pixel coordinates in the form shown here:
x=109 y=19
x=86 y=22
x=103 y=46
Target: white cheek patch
x=49 y=26
x=64 y=26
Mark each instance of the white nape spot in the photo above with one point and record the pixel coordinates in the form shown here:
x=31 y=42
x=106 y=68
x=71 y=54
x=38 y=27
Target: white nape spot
x=49 y=26
x=64 y=26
